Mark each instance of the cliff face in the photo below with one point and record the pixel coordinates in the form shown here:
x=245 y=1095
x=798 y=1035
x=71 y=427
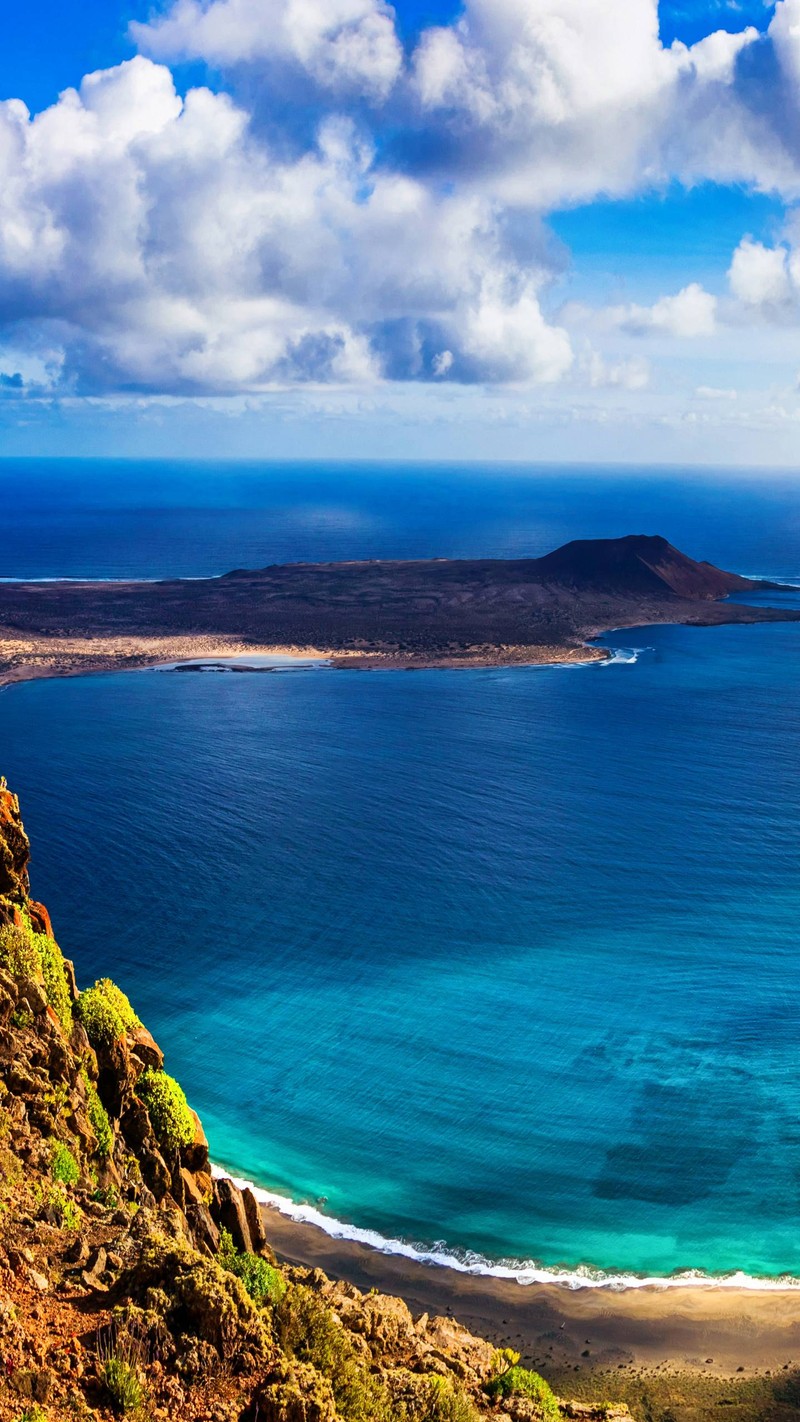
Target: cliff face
x=131 y=1282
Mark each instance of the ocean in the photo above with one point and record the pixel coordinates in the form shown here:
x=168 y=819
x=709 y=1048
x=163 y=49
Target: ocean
x=495 y=964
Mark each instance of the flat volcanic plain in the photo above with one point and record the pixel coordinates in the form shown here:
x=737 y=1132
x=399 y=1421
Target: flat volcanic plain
x=437 y=612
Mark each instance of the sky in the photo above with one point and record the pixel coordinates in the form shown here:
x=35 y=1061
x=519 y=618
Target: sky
x=511 y=229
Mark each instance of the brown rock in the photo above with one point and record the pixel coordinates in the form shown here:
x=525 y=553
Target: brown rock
x=192 y=1193
x=72 y=981
x=155 y=1171
x=468 y=1356
x=15 y=851
x=35 y=1384
x=144 y=1048
x=195 y=1155
x=93 y=1282
x=34 y=994
x=97 y=1261
x=228 y=1210
x=255 y=1221
x=78 y=1253
x=40 y=918
x=205 y=1233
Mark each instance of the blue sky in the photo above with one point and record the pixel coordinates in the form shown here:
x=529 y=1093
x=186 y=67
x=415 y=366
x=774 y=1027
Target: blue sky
x=525 y=227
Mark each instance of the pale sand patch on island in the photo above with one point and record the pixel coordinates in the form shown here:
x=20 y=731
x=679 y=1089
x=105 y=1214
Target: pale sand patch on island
x=722 y=1331
x=28 y=658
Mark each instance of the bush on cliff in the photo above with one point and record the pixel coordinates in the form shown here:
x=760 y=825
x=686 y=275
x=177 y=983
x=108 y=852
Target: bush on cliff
x=18 y=953
x=521 y=1382
x=167 y=1108
x=106 y=1013
x=98 y=1118
x=205 y=1313
x=55 y=978
x=445 y=1401
x=63 y=1165
x=310 y=1332
x=36 y=957
x=264 y=1283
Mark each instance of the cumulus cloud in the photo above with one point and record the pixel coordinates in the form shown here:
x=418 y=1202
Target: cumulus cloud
x=390 y=227
x=570 y=98
x=765 y=278
x=687 y=313
x=690 y=312
x=344 y=45
x=159 y=245
x=548 y=103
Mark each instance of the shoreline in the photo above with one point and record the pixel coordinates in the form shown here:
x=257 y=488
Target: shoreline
x=40 y=658
x=721 y=1328
x=722 y=1331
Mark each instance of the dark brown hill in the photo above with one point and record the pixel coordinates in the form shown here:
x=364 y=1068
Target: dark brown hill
x=640 y=564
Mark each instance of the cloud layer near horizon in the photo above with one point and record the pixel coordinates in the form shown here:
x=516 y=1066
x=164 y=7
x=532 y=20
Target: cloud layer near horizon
x=339 y=210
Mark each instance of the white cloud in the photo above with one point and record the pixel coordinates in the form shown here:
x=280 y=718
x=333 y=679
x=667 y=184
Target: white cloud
x=344 y=45
x=762 y=276
x=690 y=312
x=543 y=103
x=231 y=242
x=160 y=244
x=566 y=99
x=713 y=392
x=625 y=374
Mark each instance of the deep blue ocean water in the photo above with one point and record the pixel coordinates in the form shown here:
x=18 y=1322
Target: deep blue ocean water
x=500 y=959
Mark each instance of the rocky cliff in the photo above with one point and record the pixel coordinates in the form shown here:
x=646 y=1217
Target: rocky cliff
x=131 y=1283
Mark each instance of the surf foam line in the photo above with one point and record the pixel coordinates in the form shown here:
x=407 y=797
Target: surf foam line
x=622 y=657
x=523 y=1272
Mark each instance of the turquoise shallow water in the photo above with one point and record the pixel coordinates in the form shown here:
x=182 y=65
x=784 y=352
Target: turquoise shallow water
x=503 y=959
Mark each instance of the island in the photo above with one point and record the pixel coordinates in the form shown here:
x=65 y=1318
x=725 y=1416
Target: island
x=376 y=613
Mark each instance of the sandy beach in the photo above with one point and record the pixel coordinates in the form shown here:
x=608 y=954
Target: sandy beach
x=30 y=658
x=719 y=1331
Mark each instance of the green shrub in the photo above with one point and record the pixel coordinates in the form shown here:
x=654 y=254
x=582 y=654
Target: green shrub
x=51 y=960
x=106 y=1195
x=167 y=1108
x=98 y=1118
x=310 y=1332
x=54 y=1200
x=521 y=1382
x=447 y=1402
x=63 y=1165
x=264 y=1284
x=121 y=1381
x=18 y=953
x=105 y=1013
x=37 y=957
x=33 y=1414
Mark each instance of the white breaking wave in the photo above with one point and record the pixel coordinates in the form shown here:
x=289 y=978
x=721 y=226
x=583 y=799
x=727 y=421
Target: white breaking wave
x=623 y=656
x=520 y=1271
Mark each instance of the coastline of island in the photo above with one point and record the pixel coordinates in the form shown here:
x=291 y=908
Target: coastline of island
x=34 y=659
x=396 y=615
